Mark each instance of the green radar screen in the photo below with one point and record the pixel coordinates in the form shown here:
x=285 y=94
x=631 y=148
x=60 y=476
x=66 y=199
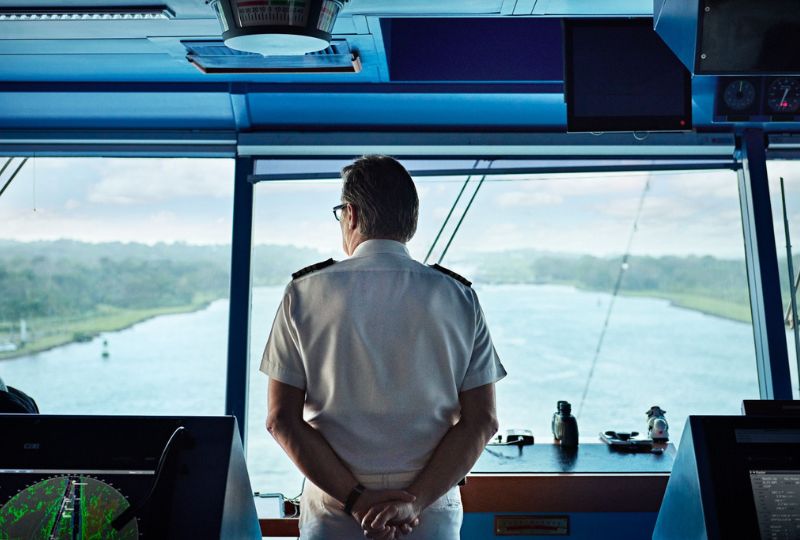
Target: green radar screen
x=66 y=508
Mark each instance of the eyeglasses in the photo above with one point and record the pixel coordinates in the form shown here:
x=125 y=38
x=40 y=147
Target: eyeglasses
x=337 y=211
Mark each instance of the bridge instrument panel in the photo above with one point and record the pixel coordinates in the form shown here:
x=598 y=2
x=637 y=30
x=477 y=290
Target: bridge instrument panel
x=757 y=99
x=69 y=505
x=123 y=478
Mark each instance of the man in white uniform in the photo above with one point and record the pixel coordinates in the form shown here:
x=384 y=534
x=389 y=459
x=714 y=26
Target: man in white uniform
x=382 y=374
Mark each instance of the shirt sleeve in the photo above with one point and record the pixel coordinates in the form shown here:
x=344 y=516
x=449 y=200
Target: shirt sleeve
x=282 y=359
x=484 y=364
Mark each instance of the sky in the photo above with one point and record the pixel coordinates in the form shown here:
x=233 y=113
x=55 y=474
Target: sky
x=190 y=200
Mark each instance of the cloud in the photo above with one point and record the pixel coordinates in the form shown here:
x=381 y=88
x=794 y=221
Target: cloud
x=321 y=234
x=701 y=184
x=127 y=182
x=527 y=199
x=654 y=209
x=576 y=184
x=789 y=170
x=45 y=224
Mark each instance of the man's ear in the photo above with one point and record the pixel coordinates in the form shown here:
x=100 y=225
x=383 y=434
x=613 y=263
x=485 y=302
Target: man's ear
x=352 y=217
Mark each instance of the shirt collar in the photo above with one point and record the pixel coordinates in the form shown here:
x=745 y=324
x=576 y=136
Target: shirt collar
x=370 y=247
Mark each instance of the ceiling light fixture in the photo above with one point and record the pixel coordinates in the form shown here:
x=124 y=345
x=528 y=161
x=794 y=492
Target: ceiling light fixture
x=96 y=13
x=277 y=27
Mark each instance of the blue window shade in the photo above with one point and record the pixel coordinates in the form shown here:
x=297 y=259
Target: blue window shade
x=474 y=49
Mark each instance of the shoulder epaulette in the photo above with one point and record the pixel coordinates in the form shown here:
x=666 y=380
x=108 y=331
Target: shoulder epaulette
x=452 y=274
x=313 y=268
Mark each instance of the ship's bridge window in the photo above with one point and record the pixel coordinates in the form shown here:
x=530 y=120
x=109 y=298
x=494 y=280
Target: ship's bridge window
x=114 y=277
x=615 y=291
x=789 y=171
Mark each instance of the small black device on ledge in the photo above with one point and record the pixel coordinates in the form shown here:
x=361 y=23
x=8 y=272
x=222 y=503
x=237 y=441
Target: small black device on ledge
x=625 y=441
x=565 y=426
x=514 y=437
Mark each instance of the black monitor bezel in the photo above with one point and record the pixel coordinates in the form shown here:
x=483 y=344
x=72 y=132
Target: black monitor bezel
x=603 y=124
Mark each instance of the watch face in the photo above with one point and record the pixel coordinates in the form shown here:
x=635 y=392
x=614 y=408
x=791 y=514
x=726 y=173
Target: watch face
x=739 y=94
x=783 y=95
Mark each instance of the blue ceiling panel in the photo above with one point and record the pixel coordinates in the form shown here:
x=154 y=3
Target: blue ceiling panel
x=150 y=67
x=703 y=90
x=146 y=60
x=122 y=110
x=34 y=47
x=574 y=8
x=336 y=110
x=97 y=67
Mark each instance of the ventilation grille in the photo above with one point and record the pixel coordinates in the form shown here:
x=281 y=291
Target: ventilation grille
x=214 y=57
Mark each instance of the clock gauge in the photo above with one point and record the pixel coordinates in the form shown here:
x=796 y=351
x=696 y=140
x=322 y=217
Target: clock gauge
x=783 y=95
x=739 y=94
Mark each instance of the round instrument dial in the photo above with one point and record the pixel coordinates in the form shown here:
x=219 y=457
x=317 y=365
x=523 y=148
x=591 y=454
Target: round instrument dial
x=739 y=95
x=783 y=95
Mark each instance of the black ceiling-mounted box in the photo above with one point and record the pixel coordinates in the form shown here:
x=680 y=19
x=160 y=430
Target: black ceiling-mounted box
x=620 y=76
x=732 y=37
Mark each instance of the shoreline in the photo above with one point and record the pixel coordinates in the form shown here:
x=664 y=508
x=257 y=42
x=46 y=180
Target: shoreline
x=129 y=318
x=726 y=310
x=686 y=303
x=133 y=317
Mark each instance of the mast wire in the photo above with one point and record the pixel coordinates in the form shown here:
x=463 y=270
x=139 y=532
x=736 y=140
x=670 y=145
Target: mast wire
x=449 y=214
x=13 y=175
x=792 y=287
x=463 y=215
x=622 y=268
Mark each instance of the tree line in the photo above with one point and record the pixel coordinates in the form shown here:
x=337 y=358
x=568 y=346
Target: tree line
x=725 y=279
x=69 y=278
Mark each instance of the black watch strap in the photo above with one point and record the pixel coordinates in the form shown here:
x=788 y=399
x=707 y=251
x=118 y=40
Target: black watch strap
x=352 y=498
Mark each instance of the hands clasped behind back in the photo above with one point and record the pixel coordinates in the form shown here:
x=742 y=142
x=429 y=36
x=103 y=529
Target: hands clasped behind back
x=386 y=514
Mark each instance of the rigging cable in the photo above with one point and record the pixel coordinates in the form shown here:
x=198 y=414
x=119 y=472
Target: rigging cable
x=449 y=214
x=13 y=175
x=792 y=286
x=8 y=162
x=787 y=317
x=622 y=268
x=463 y=215
x=34 y=182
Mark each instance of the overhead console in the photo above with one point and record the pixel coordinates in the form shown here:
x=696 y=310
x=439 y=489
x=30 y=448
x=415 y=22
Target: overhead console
x=752 y=47
x=732 y=37
x=734 y=477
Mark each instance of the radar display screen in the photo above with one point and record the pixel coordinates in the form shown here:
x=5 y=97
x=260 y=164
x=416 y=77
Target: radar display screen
x=777 y=498
x=69 y=505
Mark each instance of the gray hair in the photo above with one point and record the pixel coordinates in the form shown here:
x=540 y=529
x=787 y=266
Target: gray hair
x=384 y=194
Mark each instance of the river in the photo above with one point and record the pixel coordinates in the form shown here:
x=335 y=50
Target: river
x=653 y=354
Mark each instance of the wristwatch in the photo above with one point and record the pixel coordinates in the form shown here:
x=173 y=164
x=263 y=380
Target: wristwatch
x=352 y=498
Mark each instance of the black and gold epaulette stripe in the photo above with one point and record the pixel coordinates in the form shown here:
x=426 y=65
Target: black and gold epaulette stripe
x=313 y=268
x=452 y=274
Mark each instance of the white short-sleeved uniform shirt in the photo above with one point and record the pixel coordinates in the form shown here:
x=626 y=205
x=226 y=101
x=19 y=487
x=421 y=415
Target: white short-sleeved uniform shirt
x=382 y=345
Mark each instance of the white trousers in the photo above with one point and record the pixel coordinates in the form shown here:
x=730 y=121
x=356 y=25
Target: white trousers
x=321 y=517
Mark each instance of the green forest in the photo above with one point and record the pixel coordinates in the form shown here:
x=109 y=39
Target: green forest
x=71 y=291
x=708 y=284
